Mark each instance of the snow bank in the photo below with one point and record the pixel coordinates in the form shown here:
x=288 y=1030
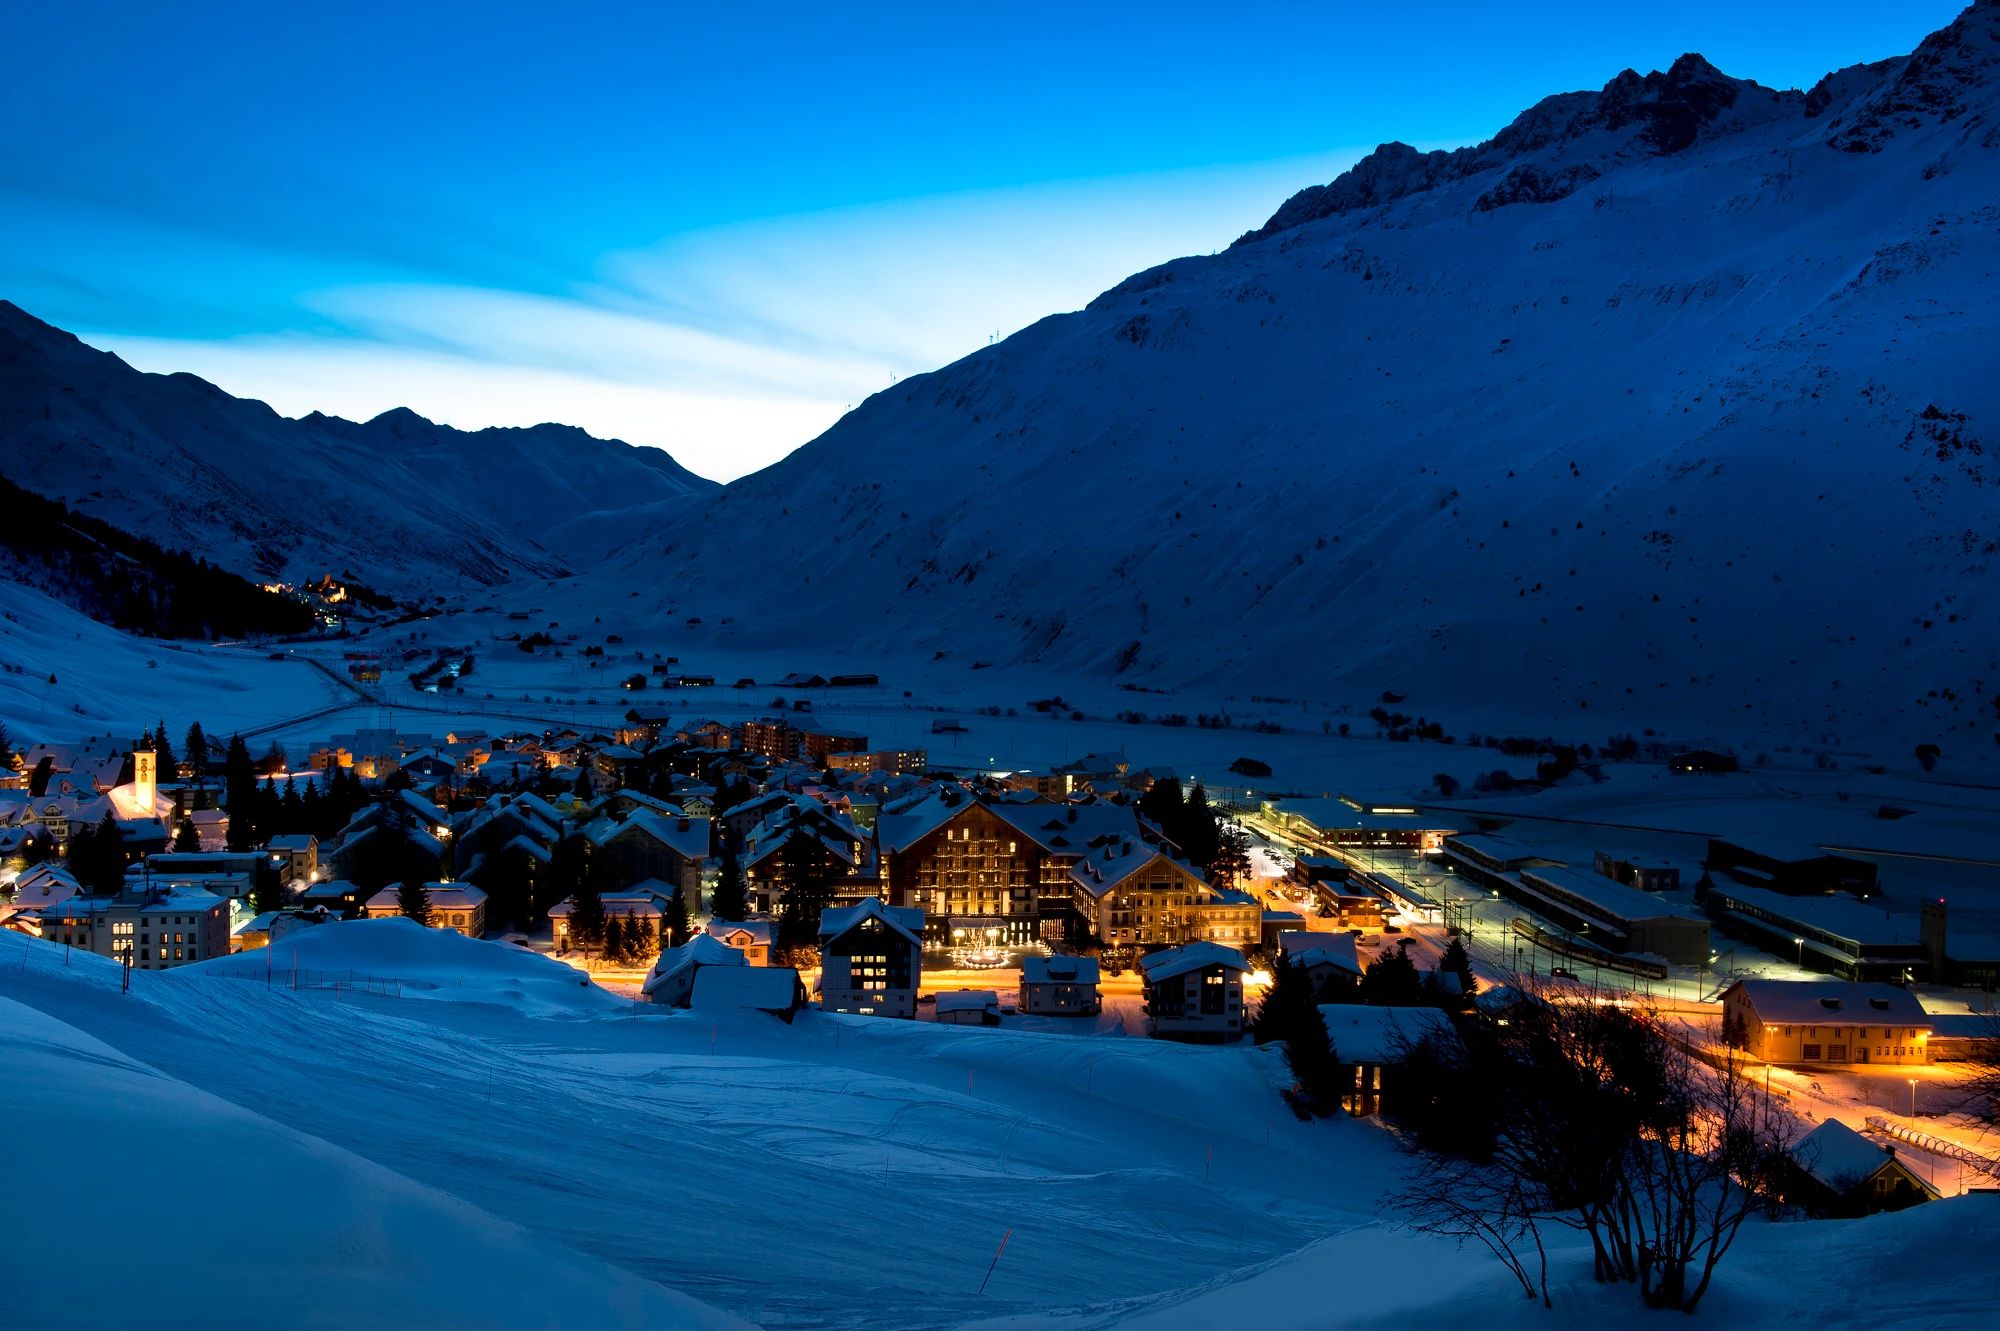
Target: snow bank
x=162 y=1205
x=402 y=959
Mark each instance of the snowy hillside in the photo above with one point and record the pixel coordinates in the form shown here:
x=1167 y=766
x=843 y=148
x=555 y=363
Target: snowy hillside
x=403 y=504
x=499 y=1155
x=1671 y=405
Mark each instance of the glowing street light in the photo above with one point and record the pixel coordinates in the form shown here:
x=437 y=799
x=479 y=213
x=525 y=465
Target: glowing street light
x=1801 y=943
x=1913 y=1097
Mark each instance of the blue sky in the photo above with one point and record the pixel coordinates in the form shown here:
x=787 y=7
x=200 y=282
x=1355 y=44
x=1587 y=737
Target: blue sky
x=714 y=228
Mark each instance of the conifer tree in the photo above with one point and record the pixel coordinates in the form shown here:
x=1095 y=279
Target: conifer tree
x=187 y=840
x=1457 y=961
x=732 y=896
x=163 y=750
x=1392 y=980
x=1162 y=805
x=675 y=928
x=614 y=940
x=195 y=750
x=239 y=790
x=586 y=916
x=414 y=900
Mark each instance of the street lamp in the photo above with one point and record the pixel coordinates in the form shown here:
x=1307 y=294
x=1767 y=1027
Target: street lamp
x=1801 y=944
x=1913 y=1097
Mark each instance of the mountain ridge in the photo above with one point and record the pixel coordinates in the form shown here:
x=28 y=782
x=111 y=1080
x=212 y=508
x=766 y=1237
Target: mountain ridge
x=1655 y=445
x=178 y=458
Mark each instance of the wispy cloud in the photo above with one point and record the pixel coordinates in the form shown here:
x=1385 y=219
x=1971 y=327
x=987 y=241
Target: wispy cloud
x=731 y=346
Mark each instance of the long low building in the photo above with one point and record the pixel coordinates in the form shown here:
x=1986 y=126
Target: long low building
x=1836 y=934
x=1608 y=913
x=1624 y=919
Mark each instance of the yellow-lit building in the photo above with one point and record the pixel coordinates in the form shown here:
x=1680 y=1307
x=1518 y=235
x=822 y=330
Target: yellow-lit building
x=1812 y=1022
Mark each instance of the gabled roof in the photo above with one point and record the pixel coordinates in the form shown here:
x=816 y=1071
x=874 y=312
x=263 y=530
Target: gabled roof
x=1107 y=867
x=1331 y=949
x=443 y=896
x=1832 y=1003
x=700 y=950
x=1070 y=829
x=969 y=1000
x=760 y=988
x=1195 y=956
x=686 y=837
x=1839 y=1157
x=1381 y=1034
x=905 y=920
x=758 y=930
x=1037 y=969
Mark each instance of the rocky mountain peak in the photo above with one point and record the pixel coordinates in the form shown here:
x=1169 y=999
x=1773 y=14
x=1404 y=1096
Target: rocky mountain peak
x=1655 y=114
x=1946 y=79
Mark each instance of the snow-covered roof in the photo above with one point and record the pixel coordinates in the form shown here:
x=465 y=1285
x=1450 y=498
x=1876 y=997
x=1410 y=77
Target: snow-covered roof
x=763 y=988
x=905 y=920
x=1195 y=956
x=292 y=841
x=758 y=931
x=686 y=837
x=1106 y=867
x=1832 y=1002
x=1838 y=1156
x=1038 y=969
x=1329 y=949
x=443 y=896
x=1362 y=1034
x=700 y=950
x=1069 y=829
x=969 y=1000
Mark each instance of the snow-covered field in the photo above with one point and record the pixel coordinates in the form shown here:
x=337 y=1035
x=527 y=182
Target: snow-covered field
x=514 y=1149
x=64 y=675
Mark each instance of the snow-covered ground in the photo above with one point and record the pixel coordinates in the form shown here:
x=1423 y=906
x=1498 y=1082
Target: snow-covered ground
x=64 y=675
x=538 y=1153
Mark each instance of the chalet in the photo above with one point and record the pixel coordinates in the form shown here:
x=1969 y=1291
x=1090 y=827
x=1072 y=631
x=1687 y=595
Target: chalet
x=1132 y=893
x=1816 y=1022
x=1195 y=992
x=750 y=937
x=1703 y=760
x=300 y=853
x=339 y=896
x=798 y=680
x=968 y=1007
x=1059 y=986
x=651 y=845
x=459 y=907
x=671 y=981
x=1330 y=960
x=871 y=959
x=777 y=990
x=1833 y=1172
x=1371 y=1043
x=23 y=901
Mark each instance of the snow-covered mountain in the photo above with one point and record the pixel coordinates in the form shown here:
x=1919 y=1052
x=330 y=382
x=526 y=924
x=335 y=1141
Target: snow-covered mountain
x=1671 y=404
x=401 y=503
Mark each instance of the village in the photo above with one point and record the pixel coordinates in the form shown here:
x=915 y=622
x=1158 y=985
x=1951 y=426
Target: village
x=782 y=863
